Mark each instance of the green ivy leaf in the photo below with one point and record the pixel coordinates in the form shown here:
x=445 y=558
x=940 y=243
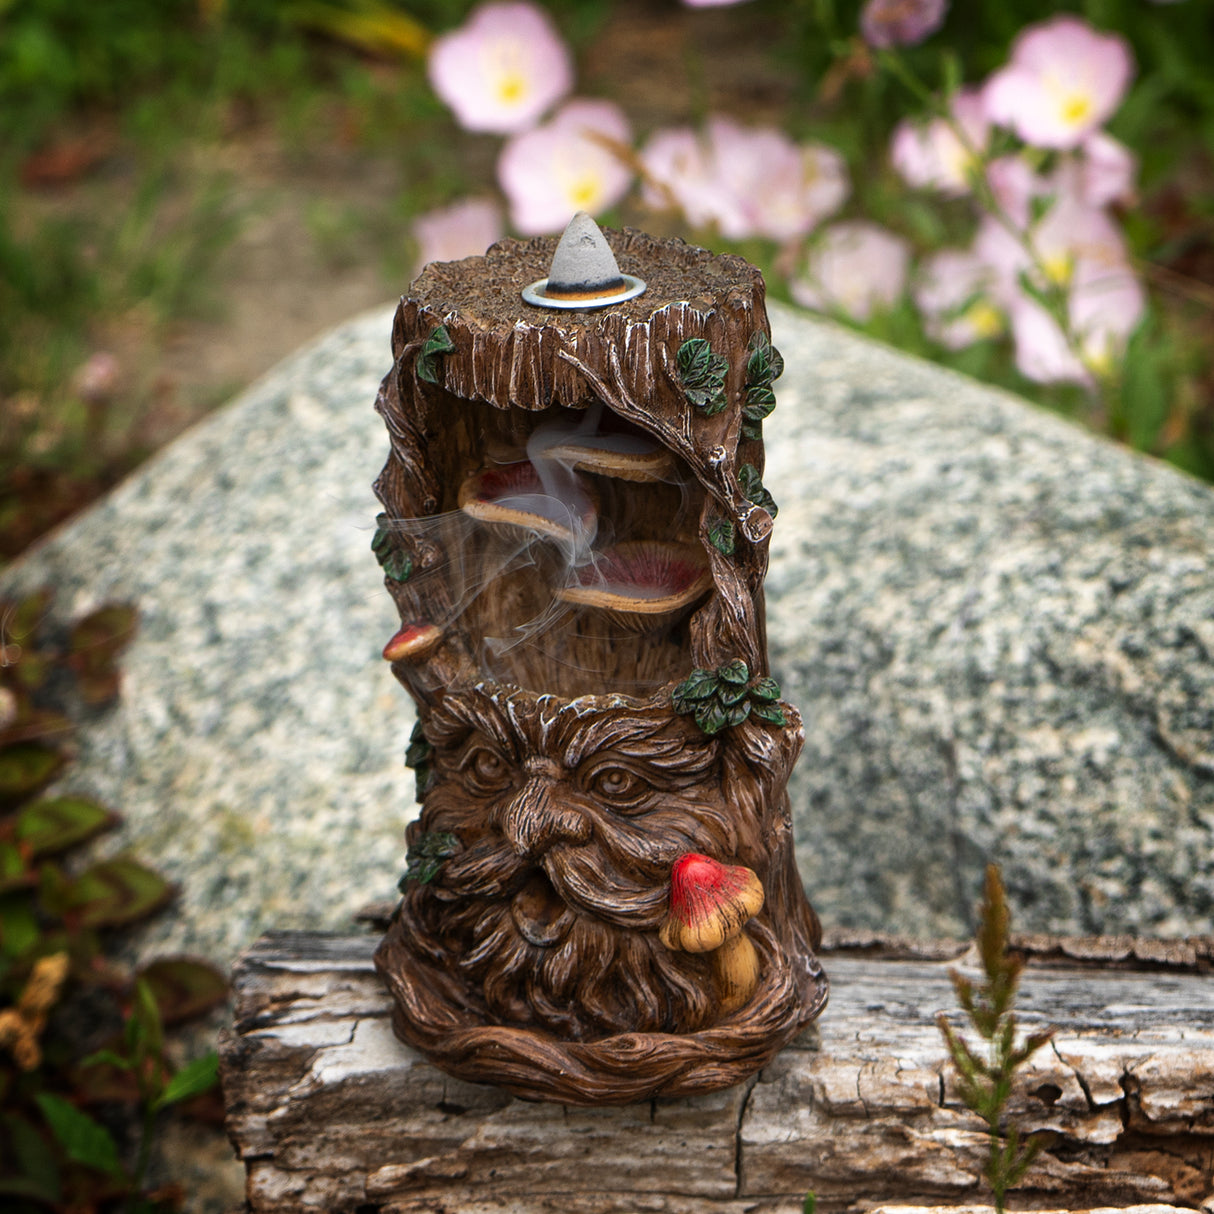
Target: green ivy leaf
x=426 y=855
x=765 y=363
x=722 y=536
x=379 y=541
x=735 y=714
x=773 y=714
x=734 y=672
x=85 y=1141
x=710 y=717
x=753 y=490
x=765 y=689
x=192 y=1080
x=438 y=343
x=732 y=693
x=760 y=402
x=698 y=685
x=398 y=566
x=55 y=824
x=703 y=375
x=419 y=750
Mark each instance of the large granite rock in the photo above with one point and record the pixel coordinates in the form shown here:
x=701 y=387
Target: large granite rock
x=999 y=629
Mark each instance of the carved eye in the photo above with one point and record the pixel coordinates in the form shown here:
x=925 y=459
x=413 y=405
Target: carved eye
x=485 y=771
x=623 y=788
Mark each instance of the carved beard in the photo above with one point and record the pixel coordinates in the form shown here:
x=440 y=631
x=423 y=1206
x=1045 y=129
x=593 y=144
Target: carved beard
x=569 y=830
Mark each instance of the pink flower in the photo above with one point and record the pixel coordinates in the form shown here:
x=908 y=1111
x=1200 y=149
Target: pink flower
x=1064 y=80
x=502 y=68
x=1107 y=170
x=1015 y=185
x=931 y=156
x=464 y=229
x=900 y=22
x=556 y=170
x=1104 y=308
x=854 y=268
x=747 y=181
x=954 y=292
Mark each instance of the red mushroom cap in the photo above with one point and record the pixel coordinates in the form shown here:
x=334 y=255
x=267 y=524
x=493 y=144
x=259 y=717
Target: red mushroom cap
x=413 y=641
x=710 y=902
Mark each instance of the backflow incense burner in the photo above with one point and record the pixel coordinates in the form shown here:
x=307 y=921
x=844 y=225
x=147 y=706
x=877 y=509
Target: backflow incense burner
x=601 y=902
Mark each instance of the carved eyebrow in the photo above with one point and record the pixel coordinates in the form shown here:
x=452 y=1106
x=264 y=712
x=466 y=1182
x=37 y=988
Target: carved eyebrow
x=644 y=740
x=457 y=718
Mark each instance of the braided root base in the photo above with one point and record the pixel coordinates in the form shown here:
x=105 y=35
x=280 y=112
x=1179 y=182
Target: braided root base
x=437 y=1016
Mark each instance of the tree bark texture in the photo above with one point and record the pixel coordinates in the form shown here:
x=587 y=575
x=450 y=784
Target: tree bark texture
x=331 y=1112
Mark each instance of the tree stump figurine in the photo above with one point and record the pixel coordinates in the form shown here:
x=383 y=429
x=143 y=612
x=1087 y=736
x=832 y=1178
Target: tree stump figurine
x=601 y=902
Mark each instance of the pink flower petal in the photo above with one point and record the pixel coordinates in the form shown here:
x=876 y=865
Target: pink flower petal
x=556 y=170
x=1064 y=80
x=855 y=268
x=954 y=292
x=931 y=156
x=502 y=68
x=464 y=229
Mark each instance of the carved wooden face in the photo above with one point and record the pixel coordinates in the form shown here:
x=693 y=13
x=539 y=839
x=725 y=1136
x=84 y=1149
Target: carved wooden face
x=570 y=821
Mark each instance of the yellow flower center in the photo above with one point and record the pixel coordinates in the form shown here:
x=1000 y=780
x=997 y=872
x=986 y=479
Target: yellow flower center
x=1058 y=268
x=1076 y=108
x=584 y=192
x=511 y=87
x=984 y=319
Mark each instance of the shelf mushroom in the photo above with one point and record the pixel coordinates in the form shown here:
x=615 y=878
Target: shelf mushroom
x=710 y=905
x=412 y=643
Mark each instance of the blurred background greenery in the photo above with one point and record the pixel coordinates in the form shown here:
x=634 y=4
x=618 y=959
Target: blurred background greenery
x=189 y=189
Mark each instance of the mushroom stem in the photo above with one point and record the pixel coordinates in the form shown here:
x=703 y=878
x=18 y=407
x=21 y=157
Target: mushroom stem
x=735 y=968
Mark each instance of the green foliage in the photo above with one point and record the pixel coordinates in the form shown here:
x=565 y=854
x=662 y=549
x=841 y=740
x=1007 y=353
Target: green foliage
x=722 y=535
x=753 y=490
x=395 y=562
x=703 y=375
x=63 y=1143
x=722 y=698
x=985 y=1073
x=426 y=855
x=439 y=342
x=418 y=754
x=763 y=366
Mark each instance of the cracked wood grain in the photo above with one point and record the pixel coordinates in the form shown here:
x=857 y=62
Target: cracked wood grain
x=330 y=1112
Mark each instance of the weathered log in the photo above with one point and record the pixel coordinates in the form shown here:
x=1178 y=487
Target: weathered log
x=331 y=1112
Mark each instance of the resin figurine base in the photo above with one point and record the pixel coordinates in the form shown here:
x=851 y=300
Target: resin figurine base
x=601 y=903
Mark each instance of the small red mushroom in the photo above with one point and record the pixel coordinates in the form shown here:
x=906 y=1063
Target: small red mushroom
x=413 y=641
x=710 y=905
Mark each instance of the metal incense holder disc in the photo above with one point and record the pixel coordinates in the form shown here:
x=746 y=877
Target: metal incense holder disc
x=600 y=897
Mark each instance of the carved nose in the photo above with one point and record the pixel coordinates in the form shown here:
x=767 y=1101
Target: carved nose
x=534 y=820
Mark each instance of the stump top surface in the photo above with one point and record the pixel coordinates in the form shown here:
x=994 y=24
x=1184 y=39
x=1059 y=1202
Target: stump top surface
x=487 y=291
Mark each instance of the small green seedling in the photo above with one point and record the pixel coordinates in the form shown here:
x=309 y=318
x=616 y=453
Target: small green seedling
x=985 y=1073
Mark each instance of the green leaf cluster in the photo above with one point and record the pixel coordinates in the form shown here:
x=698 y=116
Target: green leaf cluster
x=722 y=698
x=722 y=535
x=437 y=344
x=763 y=367
x=52 y=1150
x=395 y=562
x=418 y=756
x=985 y=1073
x=426 y=855
x=753 y=490
x=703 y=375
